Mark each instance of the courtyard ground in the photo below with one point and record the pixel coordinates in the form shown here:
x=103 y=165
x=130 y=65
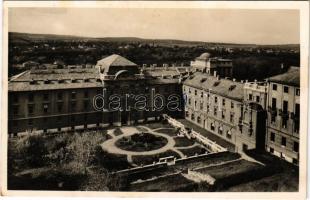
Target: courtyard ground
x=84 y=161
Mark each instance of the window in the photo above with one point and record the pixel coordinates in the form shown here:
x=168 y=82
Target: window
x=193 y=117
x=274 y=87
x=297 y=116
x=30 y=122
x=198 y=120
x=59 y=107
x=283 y=141
x=73 y=106
x=189 y=101
x=15 y=98
x=297 y=110
x=296 y=147
x=201 y=95
x=215 y=111
x=223 y=102
x=15 y=110
x=215 y=99
x=195 y=104
x=257 y=99
x=212 y=126
x=223 y=115
x=58 y=119
x=85 y=105
x=45 y=97
x=195 y=92
x=228 y=134
x=220 y=130
x=271 y=150
x=297 y=92
x=232 y=105
x=86 y=94
x=272 y=136
x=274 y=103
x=186 y=114
x=59 y=96
x=201 y=105
x=30 y=97
x=45 y=108
x=285 y=106
x=30 y=109
x=73 y=95
x=231 y=117
x=250 y=97
x=285 y=89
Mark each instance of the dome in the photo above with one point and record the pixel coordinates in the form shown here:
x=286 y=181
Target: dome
x=204 y=56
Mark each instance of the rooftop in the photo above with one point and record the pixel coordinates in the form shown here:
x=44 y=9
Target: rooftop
x=49 y=79
x=291 y=77
x=223 y=87
x=111 y=64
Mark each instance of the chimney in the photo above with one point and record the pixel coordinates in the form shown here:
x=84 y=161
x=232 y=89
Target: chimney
x=144 y=66
x=217 y=77
x=246 y=81
x=241 y=81
x=234 y=80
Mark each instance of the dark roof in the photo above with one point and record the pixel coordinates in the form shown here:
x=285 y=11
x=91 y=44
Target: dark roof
x=223 y=87
x=291 y=77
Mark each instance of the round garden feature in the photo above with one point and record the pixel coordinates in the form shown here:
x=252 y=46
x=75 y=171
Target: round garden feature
x=140 y=142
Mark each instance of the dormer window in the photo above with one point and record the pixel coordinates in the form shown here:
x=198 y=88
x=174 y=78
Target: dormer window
x=61 y=81
x=33 y=82
x=74 y=81
x=232 y=87
x=216 y=83
x=47 y=81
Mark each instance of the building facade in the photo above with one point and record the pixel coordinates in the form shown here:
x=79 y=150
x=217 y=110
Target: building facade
x=115 y=92
x=210 y=65
x=283 y=115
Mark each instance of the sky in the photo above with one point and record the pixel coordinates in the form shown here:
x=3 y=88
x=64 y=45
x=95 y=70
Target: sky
x=208 y=25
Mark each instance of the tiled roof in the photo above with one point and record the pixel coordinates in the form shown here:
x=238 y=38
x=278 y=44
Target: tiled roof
x=161 y=72
x=158 y=81
x=55 y=79
x=291 y=77
x=223 y=87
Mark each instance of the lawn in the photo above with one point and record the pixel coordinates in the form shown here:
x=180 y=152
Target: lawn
x=183 y=142
x=168 y=131
x=193 y=151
